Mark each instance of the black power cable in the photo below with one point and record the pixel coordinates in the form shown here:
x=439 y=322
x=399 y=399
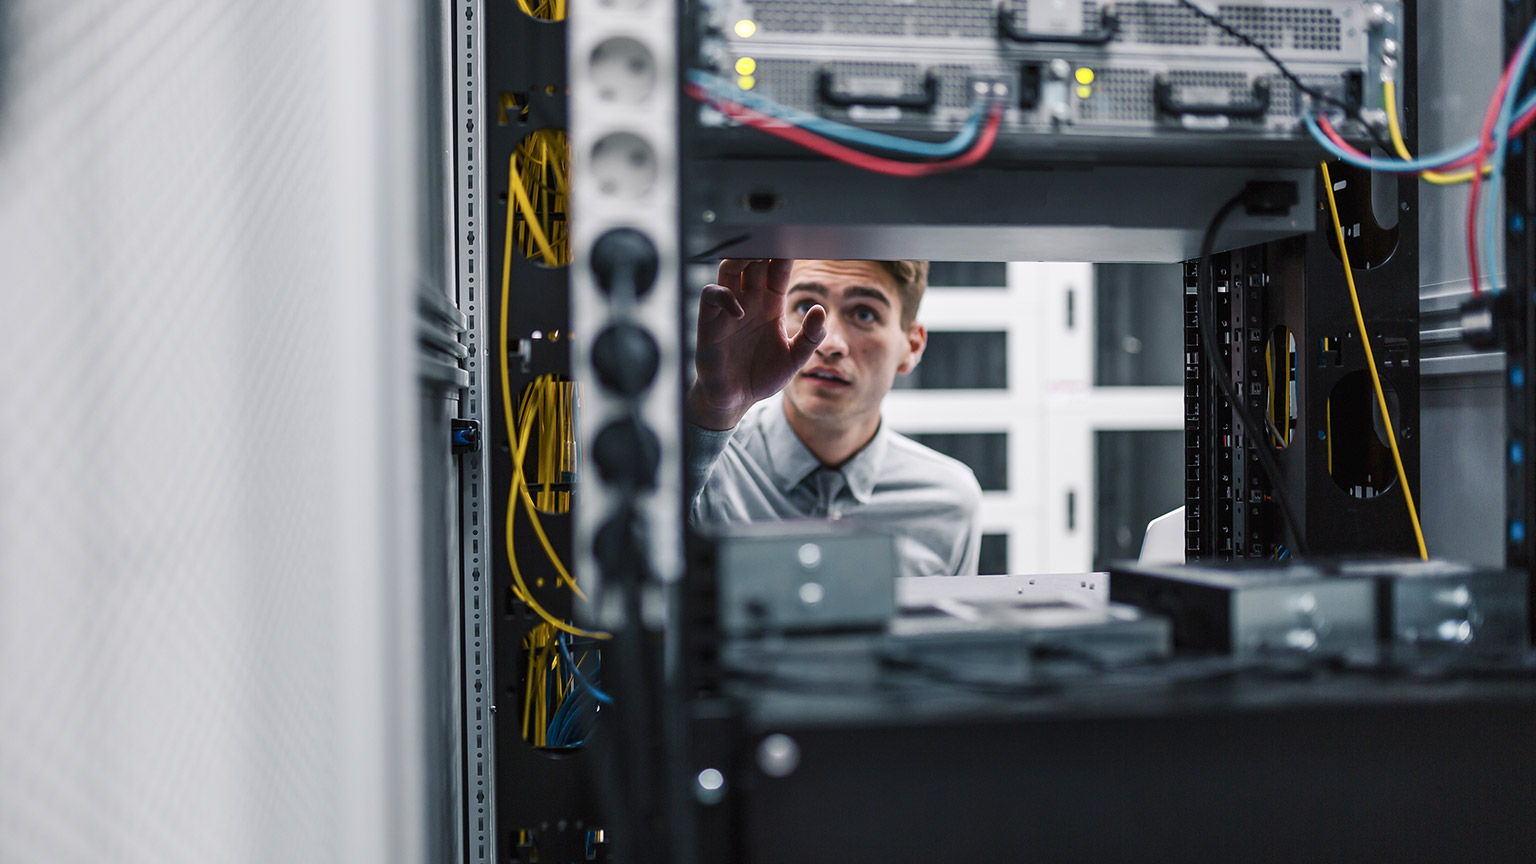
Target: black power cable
x=1350 y=111
x=1258 y=197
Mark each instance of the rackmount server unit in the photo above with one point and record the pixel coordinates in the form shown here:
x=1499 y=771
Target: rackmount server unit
x=1076 y=80
x=1102 y=132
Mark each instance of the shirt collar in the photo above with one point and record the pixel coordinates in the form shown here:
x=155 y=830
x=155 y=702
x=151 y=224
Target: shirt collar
x=792 y=461
x=864 y=468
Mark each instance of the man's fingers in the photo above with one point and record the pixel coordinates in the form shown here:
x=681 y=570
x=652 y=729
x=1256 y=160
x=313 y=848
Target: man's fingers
x=720 y=297
x=812 y=331
x=753 y=277
x=730 y=271
x=778 y=274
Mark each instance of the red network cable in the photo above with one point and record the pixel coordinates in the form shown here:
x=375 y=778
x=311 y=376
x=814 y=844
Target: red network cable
x=1485 y=146
x=1524 y=122
x=848 y=155
x=1476 y=161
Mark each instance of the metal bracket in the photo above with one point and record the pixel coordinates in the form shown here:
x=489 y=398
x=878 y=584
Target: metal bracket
x=466 y=436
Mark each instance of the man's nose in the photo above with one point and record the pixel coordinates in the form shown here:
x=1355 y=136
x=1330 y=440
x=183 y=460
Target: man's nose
x=833 y=344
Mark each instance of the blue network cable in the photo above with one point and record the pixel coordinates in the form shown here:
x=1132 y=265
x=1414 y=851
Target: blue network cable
x=565 y=725
x=573 y=718
x=842 y=131
x=1397 y=166
x=1491 y=232
x=1402 y=166
x=581 y=679
x=1435 y=160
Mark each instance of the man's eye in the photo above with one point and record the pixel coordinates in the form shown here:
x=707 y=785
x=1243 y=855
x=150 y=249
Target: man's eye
x=803 y=307
x=865 y=315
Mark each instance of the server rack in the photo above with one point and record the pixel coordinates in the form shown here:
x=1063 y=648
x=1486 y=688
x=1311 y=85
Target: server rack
x=1292 y=291
x=723 y=732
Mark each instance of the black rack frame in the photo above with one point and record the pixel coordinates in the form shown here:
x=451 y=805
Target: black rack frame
x=1231 y=512
x=549 y=794
x=1518 y=313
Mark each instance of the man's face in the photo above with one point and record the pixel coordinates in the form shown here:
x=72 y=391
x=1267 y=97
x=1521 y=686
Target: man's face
x=866 y=346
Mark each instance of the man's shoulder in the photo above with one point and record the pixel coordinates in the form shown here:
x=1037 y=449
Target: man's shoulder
x=758 y=414
x=911 y=461
x=750 y=437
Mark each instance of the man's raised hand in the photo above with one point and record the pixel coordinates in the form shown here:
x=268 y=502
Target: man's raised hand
x=744 y=354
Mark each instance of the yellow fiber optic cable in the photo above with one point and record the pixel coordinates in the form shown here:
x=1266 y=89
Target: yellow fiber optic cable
x=1370 y=362
x=1269 y=390
x=530 y=215
x=554 y=666
x=517 y=485
x=531 y=643
x=545 y=10
x=506 y=102
x=560 y=686
x=555 y=457
x=1276 y=437
x=1389 y=88
x=517 y=575
x=540 y=175
x=539 y=705
x=1285 y=411
x=520 y=486
x=1328 y=431
x=541 y=716
x=528 y=406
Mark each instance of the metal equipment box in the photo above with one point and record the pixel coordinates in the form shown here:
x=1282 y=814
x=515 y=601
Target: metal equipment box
x=1078 y=79
x=1429 y=605
x=1250 y=611
x=804 y=576
x=1070 y=627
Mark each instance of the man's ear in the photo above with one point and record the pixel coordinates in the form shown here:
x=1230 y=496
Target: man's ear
x=917 y=340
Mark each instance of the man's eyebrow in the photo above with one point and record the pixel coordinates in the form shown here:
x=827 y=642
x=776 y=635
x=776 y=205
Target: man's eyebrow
x=871 y=293
x=820 y=290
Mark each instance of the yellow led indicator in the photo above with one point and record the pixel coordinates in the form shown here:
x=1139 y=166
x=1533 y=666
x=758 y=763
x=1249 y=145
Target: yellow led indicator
x=745 y=28
x=746 y=66
x=1084 y=91
x=746 y=82
x=1084 y=75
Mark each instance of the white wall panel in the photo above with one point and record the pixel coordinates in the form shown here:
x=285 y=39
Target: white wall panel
x=209 y=586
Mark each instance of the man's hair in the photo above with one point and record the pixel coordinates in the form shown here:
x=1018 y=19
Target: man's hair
x=911 y=281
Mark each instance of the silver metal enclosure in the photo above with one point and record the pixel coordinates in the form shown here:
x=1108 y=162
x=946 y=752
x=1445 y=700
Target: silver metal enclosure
x=1073 y=74
x=774 y=577
x=1092 y=96
x=228 y=603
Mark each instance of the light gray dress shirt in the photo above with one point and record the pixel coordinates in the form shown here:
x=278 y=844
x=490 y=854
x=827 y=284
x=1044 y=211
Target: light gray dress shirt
x=761 y=471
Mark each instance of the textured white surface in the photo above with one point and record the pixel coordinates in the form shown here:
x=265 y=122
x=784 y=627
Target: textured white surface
x=208 y=542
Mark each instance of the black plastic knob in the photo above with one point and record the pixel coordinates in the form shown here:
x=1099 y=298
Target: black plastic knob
x=619 y=546
x=627 y=454
x=625 y=357
x=625 y=260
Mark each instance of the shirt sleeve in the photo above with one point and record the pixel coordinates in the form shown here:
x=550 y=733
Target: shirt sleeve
x=970 y=552
x=703 y=447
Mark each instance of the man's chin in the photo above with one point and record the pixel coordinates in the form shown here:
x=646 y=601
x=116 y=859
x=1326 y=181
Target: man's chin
x=820 y=403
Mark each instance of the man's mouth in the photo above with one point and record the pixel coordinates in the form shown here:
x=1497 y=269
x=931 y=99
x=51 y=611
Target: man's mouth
x=825 y=375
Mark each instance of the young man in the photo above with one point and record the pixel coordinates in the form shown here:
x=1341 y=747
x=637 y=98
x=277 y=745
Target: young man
x=793 y=361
